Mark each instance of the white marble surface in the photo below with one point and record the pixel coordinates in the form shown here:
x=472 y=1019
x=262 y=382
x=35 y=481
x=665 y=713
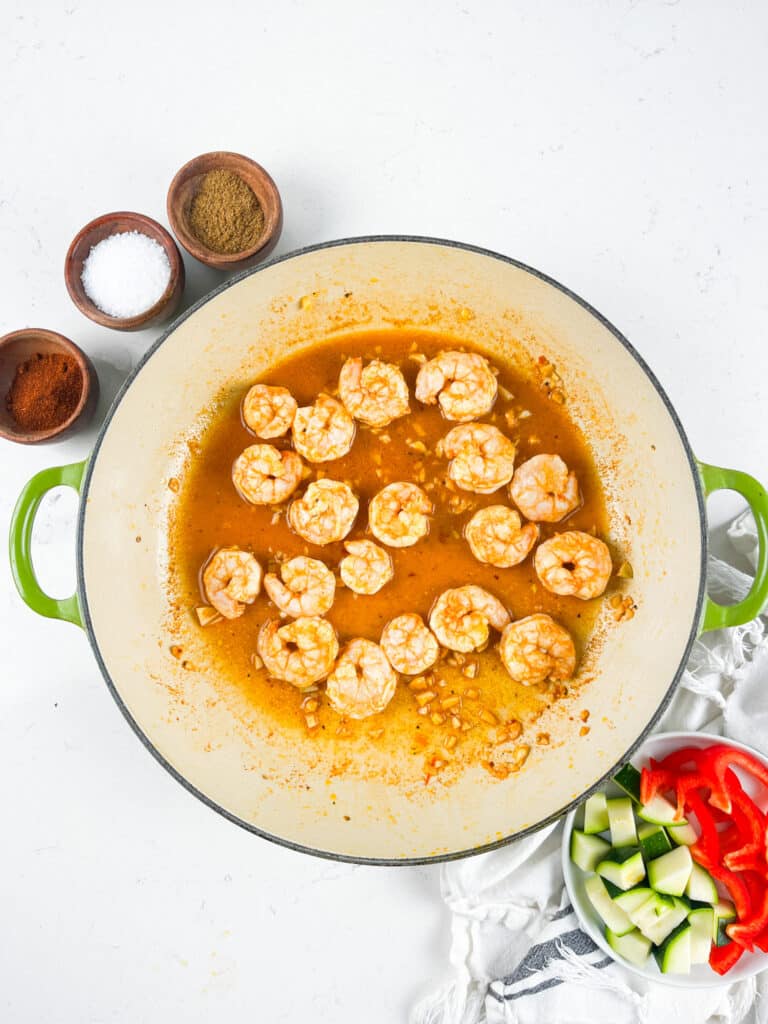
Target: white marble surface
x=620 y=146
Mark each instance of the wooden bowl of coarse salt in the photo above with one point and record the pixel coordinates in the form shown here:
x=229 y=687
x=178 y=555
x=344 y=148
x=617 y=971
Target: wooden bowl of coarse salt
x=123 y=270
x=225 y=210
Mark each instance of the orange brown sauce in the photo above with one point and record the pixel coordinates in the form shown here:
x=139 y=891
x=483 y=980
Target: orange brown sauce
x=493 y=720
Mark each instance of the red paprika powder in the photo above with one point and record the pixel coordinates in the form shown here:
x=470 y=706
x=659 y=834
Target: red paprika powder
x=45 y=391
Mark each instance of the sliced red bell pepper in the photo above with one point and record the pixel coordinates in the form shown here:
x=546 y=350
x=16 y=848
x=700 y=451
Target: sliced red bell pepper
x=722 y=958
x=689 y=783
x=716 y=761
x=746 y=931
x=762 y=941
x=730 y=839
x=678 y=759
x=749 y=926
x=706 y=849
x=737 y=889
x=662 y=780
x=749 y=821
x=749 y=861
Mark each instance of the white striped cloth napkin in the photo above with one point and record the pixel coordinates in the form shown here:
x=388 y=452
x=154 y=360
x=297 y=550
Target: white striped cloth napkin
x=517 y=953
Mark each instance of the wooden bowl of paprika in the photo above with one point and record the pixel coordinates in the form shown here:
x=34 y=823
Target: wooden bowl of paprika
x=48 y=386
x=225 y=210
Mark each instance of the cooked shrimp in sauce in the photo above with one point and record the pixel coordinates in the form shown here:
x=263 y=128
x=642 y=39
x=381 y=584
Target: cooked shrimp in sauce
x=399 y=515
x=482 y=458
x=301 y=652
x=442 y=449
x=264 y=475
x=323 y=431
x=324 y=513
x=574 y=564
x=307 y=587
x=375 y=394
x=462 y=383
x=536 y=649
x=366 y=568
x=409 y=645
x=362 y=682
x=496 y=535
x=461 y=617
x=268 y=411
x=231 y=580
x=544 y=490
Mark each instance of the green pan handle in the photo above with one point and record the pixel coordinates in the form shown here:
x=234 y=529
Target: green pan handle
x=716 y=616
x=20 y=542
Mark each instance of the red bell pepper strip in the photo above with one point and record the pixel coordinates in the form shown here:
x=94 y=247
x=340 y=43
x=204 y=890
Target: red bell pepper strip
x=689 y=783
x=678 y=759
x=706 y=849
x=737 y=889
x=749 y=821
x=722 y=958
x=653 y=782
x=747 y=930
x=717 y=760
x=749 y=861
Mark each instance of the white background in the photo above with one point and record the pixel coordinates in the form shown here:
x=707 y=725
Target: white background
x=619 y=146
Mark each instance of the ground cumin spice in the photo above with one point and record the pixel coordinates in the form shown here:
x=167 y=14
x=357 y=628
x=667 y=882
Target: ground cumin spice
x=45 y=391
x=225 y=214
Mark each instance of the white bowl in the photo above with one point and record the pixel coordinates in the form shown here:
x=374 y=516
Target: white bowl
x=702 y=975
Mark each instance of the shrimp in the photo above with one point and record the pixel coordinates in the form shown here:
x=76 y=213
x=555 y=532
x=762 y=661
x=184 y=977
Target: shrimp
x=307 y=587
x=323 y=431
x=264 y=475
x=301 y=652
x=482 y=458
x=324 y=513
x=462 y=382
x=231 y=580
x=574 y=564
x=460 y=618
x=375 y=395
x=544 y=490
x=496 y=535
x=362 y=682
x=366 y=568
x=409 y=645
x=268 y=411
x=537 y=648
x=399 y=515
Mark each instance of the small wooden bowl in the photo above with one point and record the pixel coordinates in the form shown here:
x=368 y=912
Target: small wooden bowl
x=184 y=187
x=114 y=224
x=18 y=347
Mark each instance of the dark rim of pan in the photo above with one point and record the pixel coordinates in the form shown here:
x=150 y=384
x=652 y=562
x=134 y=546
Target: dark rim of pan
x=328 y=854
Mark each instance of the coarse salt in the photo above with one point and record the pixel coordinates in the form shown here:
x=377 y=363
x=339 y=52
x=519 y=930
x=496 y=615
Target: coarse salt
x=126 y=274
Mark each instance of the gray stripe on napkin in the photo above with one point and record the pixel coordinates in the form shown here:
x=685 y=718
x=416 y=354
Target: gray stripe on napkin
x=550 y=983
x=568 y=909
x=537 y=957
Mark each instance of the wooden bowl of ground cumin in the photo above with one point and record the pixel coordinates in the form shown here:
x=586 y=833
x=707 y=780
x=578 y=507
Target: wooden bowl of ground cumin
x=48 y=386
x=225 y=210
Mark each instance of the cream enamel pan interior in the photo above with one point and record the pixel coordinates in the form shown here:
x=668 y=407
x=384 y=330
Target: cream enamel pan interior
x=274 y=788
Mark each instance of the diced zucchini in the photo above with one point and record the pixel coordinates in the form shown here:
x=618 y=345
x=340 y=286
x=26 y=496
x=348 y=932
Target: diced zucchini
x=682 y=835
x=631 y=900
x=613 y=890
x=628 y=779
x=613 y=916
x=660 y=811
x=659 y=916
x=674 y=954
x=621 y=819
x=624 y=872
x=725 y=911
x=633 y=947
x=722 y=938
x=670 y=873
x=654 y=841
x=701 y=886
x=702 y=923
x=588 y=851
x=596 y=814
